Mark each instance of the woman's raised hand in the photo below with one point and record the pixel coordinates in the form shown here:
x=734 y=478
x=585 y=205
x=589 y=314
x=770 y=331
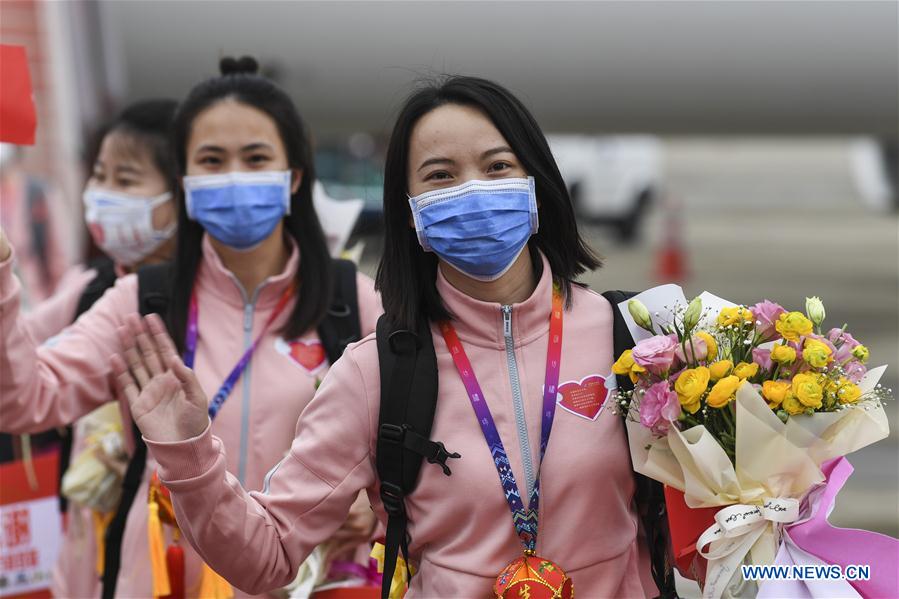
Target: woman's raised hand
x=4 y=246
x=166 y=400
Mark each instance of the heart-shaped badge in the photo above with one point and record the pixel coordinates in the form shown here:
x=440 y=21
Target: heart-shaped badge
x=584 y=398
x=310 y=354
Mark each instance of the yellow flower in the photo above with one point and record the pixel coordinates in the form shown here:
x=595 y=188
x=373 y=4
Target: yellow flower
x=721 y=369
x=860 y=353
x=793 y=325
x=816 y=353
x=848 y=391
x=783 y=354
x=775 y=392
x=746 y=370
x=807 y=390
x=710 y=343
x=626 y=365
x=723 y=391
x=690 y=386
x=691 y=407
x=792 y=405
x=735 y=315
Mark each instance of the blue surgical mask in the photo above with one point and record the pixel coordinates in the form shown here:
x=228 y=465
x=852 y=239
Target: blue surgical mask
x=479 y=227
x=239 y=209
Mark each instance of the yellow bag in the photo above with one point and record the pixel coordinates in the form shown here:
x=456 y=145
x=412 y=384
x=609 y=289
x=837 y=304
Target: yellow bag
x=90 y=481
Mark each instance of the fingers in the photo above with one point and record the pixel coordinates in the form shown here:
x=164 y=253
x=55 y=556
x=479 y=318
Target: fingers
x=128 y=339
x=160 y=335
x=148 y=350
x=188 y=380
x=127 y=384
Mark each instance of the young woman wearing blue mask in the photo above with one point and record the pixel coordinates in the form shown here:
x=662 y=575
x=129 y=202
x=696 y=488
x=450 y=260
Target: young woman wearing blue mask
x=247 y=297
x=481 y=243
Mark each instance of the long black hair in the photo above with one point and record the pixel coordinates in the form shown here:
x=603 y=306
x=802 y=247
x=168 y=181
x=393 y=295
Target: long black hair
x=407 y=274
x=148 y=123
x=239 y=81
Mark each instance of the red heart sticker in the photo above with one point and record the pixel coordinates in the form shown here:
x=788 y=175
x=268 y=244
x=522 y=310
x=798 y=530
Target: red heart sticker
x=584 y=398
x=308 y=354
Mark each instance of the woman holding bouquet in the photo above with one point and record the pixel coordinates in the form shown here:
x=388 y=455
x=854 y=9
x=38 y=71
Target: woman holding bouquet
x=482 y=242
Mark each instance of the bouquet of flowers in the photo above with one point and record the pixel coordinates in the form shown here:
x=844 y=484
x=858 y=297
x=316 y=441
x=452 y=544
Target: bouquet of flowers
x=749 y=410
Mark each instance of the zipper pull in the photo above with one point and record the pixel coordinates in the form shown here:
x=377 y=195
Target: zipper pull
x=248 y=317
x=507 y=321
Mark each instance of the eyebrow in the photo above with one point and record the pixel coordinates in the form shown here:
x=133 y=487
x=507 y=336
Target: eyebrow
x=487 y=154
x=128 y=169
x=498 y=150
x=431 y=161
x=259 y=145
x=209 y=148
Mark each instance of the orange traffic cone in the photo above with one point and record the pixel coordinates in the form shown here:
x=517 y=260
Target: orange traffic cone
x=671 y=258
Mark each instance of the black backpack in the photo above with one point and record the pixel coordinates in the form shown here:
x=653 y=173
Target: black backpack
x=103 y=280
x=339 y=328
x=408 y=361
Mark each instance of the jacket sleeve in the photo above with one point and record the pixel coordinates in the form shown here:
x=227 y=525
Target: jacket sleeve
x=56 y=312
x=44 y=386
x=370 y=308
x=257 y=540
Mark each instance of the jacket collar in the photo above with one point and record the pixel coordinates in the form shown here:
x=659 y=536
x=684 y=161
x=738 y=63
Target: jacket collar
x=481 y=323
x=214 y=278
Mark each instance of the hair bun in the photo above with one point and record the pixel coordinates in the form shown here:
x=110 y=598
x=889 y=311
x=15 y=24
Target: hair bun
x=245 y=65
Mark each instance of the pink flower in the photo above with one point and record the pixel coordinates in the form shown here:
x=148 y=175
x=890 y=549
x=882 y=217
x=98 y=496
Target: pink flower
x=855 y=371
x=659 y=406
x=655 y=354
x=697 y=345
x=762 y=357
x=841 y=338
x=767 y=313
x=837 y=338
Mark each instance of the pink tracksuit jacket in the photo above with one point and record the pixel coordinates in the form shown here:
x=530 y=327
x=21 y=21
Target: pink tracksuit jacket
x=461 y=527
x=77 y=553
x=46 y=386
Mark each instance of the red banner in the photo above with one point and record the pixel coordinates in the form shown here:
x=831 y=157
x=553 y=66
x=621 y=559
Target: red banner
x=30 y=527
x=18 y=120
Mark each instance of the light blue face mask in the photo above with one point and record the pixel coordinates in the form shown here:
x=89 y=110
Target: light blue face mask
x=238 y=209
x=479 y=227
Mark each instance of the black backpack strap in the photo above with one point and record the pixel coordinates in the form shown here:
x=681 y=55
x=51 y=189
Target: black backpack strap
x=103 y=280
x=649 y=495
x=407 y=361
x=621 y=336
x=341 y=326
x=153 y=284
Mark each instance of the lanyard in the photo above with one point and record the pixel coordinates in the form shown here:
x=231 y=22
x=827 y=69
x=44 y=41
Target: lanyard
x=525 y=520
x=190 y=348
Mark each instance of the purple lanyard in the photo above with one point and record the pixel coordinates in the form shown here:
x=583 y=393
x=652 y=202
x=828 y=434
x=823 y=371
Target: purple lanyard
x=190 y=349
x=525 y=520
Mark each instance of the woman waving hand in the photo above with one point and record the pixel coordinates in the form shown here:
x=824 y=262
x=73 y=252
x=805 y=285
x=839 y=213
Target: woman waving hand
x=481 y=242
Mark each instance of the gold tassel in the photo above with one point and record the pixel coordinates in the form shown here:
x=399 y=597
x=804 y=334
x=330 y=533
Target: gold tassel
x=213 y=586
x=398 y=583
x=158 y=566
x=101 y=523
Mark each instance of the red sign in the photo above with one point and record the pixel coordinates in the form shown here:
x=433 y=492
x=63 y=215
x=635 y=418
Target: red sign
x=18 y=119
x=30 y=527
